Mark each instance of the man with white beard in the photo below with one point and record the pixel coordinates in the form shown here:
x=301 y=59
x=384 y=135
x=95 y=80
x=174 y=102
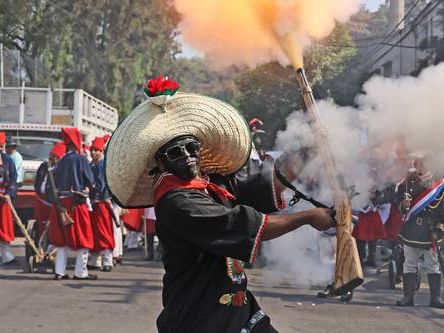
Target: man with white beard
x=420 y=198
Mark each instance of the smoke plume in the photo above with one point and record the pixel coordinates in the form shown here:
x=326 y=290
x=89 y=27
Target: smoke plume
x=243 y=31
x=371 y=144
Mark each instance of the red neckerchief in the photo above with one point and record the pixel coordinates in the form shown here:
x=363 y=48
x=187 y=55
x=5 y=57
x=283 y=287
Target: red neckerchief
x=167 y=182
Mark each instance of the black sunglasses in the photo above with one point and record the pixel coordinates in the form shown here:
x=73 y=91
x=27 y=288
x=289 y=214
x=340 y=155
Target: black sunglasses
x=176 y=152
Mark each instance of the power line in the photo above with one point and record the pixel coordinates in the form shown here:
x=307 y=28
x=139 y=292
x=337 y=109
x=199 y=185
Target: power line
x=394 y=30
x=423 y=14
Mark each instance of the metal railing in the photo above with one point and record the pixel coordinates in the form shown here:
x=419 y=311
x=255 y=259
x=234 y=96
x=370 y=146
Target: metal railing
x=68 y=107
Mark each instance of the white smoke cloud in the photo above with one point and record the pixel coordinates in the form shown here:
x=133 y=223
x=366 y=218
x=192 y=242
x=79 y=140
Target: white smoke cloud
x=304 y=257
x=393 y=114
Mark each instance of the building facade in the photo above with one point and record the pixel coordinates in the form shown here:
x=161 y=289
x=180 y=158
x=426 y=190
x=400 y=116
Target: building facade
x=412 y=42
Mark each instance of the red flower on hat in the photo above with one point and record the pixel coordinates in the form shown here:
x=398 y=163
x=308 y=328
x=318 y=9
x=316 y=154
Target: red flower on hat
x=161 y=86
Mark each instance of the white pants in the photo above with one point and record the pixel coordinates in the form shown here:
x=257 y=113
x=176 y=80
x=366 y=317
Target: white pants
x=104 y=258
x=132 y=240
x=118 y=239
x=107 y=257
x=95 y=259
x=413 y=258
x=81 y=261
x=5 y=251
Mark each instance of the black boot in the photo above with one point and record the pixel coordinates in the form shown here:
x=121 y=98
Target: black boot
x=409 y=283
x=361 y=250
x=371 y=262
x=435 y=291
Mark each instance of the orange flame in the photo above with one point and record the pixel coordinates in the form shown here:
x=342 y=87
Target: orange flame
x=256 y=31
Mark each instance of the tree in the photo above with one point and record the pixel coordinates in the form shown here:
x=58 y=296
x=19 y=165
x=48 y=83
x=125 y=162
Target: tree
x=196 y=76
x=271 y=92
x=118 y=43
x=107 y=47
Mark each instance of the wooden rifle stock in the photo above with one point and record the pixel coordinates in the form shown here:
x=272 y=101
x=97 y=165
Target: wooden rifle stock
x=348 y=270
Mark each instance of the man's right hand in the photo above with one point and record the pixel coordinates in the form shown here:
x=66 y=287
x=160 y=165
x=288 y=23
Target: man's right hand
x=318 y=218
x=322 y=218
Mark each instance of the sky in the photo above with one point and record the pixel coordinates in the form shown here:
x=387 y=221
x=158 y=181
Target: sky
x=188 y=51
x=373 y=4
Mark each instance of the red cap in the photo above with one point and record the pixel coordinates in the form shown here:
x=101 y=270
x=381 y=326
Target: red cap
x=98 y=144
x=2 y=138
x=72 y=136
x=59 y=149
x=255 y=122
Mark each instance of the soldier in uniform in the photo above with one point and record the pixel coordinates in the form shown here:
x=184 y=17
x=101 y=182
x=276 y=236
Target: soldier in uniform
x=41 y=185
x=188 y=147
x=420 y=197
x=8 y=188
x=102 y=214
x=74 y=179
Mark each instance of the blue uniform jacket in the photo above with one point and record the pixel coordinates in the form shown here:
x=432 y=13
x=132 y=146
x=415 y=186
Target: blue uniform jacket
x=10 y=175
x=73 y=172
x=99 y=192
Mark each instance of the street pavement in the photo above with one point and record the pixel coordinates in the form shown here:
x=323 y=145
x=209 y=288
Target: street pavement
x=128 y=300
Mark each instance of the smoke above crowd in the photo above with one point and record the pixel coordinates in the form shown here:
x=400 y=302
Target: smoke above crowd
x=244 y=31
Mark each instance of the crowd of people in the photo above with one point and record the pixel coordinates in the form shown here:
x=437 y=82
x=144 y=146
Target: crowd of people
x=212 y=190
x=73 y=204
x=410 y=212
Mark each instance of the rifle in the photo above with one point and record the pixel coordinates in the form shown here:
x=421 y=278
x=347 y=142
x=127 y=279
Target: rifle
x=38 y=253
x=112 y=213
x=298 y=195
x=441 y=263
x=348 y=270
x=436 y=242
x=65 y=219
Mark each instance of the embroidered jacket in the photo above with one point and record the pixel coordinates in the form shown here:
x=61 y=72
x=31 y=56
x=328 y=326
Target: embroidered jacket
x=417 y=230
x=206 y=242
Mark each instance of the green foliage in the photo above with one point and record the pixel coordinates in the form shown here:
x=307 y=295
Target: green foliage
x=366 y=26
x=271 y=92
x=196 y=76
x=329 y=58
x=107 y=47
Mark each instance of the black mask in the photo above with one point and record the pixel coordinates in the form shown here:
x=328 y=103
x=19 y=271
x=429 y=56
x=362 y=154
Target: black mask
x=181 y=157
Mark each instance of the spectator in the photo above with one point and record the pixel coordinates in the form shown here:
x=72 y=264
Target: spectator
x=11 y=150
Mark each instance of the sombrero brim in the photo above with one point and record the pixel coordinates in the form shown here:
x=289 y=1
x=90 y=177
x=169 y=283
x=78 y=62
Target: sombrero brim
x=129 y=155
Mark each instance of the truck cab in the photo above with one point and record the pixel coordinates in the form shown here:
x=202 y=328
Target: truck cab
x=34 y=117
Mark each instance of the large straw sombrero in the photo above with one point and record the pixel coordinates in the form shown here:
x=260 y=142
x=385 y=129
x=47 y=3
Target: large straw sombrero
x=129 y=157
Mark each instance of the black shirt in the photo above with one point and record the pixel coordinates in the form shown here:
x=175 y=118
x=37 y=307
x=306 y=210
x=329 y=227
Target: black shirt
x=205 y=243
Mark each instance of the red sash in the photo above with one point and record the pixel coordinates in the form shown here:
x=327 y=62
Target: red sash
x=168 y=182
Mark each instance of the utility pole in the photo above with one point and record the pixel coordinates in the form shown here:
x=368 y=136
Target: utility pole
x=1 y=66
x=19 y=68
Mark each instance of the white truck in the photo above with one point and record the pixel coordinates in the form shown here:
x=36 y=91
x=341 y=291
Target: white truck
x=34 y=118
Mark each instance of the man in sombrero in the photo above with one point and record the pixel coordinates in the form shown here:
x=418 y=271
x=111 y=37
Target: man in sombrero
x=178 y=152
